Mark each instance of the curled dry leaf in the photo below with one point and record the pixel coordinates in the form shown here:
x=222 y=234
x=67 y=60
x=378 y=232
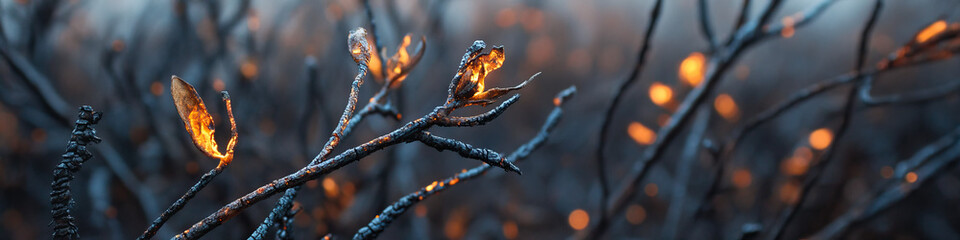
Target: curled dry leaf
x=402 y=62
x=198 y=121
x=469 y=83
x=398 y=65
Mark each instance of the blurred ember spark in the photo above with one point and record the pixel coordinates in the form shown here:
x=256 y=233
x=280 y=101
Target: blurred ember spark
x=692 y=69
x=510 y=230
x=788 y=29
x=641 y=134
x=886 y=172
x=578 y=219
x=911 y=177
x=660 y=94
x=636 y=214
x=726 y=107
x=931 y=31
x=821 y=138
x=651 y=189
x=742 y=178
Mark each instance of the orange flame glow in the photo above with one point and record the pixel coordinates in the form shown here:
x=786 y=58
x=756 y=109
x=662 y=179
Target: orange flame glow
x=931 y=31
x=660 y=94
x=399 y=61
x=742 y=178
x=641 y=134
x=651 y=189
x=198 y=121
x=636 y=214
x=578 y=219
x=692 y=68
x=799 y=163
x=510 y=230
x=821 y=138
x=886 y=172
x=788 y=29
x=726 y=107
x=911 y=177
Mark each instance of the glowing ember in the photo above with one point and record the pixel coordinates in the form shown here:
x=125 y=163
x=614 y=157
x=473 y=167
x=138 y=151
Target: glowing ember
x=249 y=69
x=726 y=107
x=911 y=177
x=330 y=187
x=742 y=178
x=156 y=88
x=636 y=214
x=790 y=192
x=692 y=69
x=799 y=163
x=788 y=29
x=886 y=172
x=510 y=230
x=651 y=189
x=821 y=138
x=578 y=219
x=431 y=186
x=660 y=94
x=931 y=31
x=641 y=134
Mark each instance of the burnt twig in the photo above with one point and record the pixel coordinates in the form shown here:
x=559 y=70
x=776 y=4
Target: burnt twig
x=383 y=220
x=76 y=154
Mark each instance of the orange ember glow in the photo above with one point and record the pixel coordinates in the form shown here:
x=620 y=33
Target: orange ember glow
x=219 y=85
x=660 y=94
x=485 y=64
x=117 y=45
x=799 y=163
x=742 y=178
x=455 y=227
x=726 y=107
x=420 y=211
x=692 y=68
x=636 y=214
x=651 y=189
x=931 y=31
x=431 y=186
x=506 y=18
x=911 y=177
x=788 y=29
x=886 y=172
x=510 y=230
x=821 y=138
x=641 y=134
x=249 y=69
x=400 y=61
x=198 y=121
x=790 y=192
x=578 y=219
x=156 y=88
x=330 y=187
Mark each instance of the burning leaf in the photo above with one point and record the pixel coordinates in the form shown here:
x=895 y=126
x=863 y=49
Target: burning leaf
x=198 y=121
x=469 y=83
x=401 y=63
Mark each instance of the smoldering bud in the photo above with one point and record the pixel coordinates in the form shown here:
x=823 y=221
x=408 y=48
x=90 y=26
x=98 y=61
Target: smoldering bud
x=359 y=48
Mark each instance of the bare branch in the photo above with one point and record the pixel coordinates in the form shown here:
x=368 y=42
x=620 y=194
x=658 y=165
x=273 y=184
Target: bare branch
x=383 y=220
